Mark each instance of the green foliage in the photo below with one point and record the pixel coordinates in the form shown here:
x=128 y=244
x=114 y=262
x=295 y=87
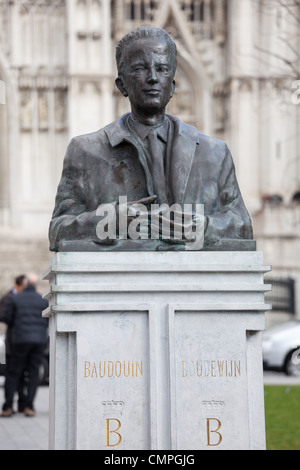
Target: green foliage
x=282 y=407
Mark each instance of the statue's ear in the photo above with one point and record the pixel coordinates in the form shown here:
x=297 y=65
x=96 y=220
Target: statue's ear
x=121 y=86
x=173 y=88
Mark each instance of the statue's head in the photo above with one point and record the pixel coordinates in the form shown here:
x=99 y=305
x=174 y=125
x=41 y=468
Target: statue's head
x=147 y=60
x=141 y=33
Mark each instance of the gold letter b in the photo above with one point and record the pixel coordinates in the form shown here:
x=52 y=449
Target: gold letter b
x=209 y=432
x=108 y=432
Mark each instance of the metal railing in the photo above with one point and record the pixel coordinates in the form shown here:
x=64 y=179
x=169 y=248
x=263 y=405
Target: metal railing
x=282 y=296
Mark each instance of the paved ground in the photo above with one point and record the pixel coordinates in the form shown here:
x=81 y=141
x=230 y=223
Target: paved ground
x=20 y=433
x=275 y=378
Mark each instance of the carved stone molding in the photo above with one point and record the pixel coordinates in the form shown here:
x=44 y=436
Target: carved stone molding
x=42 y=81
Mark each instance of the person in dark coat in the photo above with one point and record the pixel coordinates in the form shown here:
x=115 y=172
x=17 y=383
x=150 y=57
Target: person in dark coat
x=19 y=286
x=29 y=332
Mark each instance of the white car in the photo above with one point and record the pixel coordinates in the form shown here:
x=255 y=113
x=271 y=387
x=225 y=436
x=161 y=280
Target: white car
x=281 y=348
x=2 y=355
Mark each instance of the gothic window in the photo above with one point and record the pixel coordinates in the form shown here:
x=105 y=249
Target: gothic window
x=194 y=9
x=43 y=103
x=140 y=10
x=88 y=16
x=200 y=14
x=26 y=110
x=42 y=32
x=198 y=10
x=88 y=25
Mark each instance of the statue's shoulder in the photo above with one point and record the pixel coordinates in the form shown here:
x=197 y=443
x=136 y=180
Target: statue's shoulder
x=111 y=134
x=97 y=144
x=84 y=140
x=215 y=148
x=94 y=140
x=192 y=132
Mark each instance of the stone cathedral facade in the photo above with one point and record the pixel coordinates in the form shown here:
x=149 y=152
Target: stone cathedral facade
x=236 y=80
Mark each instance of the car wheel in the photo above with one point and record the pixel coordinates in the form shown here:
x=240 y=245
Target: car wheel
x=44 y=371
x=292 y=364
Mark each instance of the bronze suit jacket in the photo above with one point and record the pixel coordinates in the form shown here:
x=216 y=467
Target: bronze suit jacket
x=101 y=167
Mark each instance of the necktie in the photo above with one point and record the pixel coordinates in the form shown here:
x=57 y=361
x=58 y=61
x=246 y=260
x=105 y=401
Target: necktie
x=158 y=172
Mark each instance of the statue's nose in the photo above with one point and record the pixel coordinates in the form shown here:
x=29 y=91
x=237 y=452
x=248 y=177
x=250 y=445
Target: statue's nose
x=152 y=76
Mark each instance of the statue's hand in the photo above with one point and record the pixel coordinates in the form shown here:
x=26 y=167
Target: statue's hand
x=182 y=231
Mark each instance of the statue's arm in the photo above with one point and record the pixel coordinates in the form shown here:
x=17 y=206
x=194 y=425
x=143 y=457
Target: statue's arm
x=233 y=220
x=71 y=220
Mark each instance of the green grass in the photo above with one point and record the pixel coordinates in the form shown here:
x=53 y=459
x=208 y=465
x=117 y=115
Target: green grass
x=282 y=407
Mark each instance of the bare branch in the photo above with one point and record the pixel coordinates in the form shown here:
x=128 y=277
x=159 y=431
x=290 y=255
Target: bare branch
x=290 y=27
x=289 y=63
x=290 y=8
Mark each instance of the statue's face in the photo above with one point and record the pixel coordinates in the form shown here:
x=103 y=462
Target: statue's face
x=149 y=75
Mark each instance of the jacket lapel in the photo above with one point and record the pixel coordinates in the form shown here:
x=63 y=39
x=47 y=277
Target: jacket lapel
x=118 y=132
x=186 y=139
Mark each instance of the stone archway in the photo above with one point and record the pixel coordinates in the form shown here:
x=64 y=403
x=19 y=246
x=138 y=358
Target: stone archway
x=187 y=102
x=193 y=87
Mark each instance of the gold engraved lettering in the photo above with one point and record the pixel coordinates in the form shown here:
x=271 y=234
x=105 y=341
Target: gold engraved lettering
x=118 y=369
x=109 y=432
x=211 y=431
x=87 y=372
x=221 y=368
x=102 y=369
x=126 y=373
x=110 y=369
x=229 y=370
x=139 y=368
x=237 y=368
x=213 y=368
x=94 y=371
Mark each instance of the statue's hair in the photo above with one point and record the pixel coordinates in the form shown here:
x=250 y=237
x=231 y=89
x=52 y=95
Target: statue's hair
x=143 y=32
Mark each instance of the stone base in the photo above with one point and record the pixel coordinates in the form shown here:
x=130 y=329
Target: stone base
x=156 y=350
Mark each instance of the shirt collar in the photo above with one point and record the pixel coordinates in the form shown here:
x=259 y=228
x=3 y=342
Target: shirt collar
x=118 y=131
x=143 y=130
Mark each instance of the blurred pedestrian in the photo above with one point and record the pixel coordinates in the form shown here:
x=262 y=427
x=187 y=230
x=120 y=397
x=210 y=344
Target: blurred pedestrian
x=19 y=286
x=29 y=333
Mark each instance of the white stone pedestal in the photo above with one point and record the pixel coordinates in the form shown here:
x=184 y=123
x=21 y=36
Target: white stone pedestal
x=156 y=350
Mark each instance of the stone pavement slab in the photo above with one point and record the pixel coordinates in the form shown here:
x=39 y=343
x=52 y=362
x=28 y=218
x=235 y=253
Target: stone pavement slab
x=22 y=433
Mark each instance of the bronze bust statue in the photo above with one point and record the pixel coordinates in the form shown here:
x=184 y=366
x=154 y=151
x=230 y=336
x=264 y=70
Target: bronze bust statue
x=147 y=159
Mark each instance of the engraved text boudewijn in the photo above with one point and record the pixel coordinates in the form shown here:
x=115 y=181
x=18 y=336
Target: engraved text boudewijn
x=211 y=368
